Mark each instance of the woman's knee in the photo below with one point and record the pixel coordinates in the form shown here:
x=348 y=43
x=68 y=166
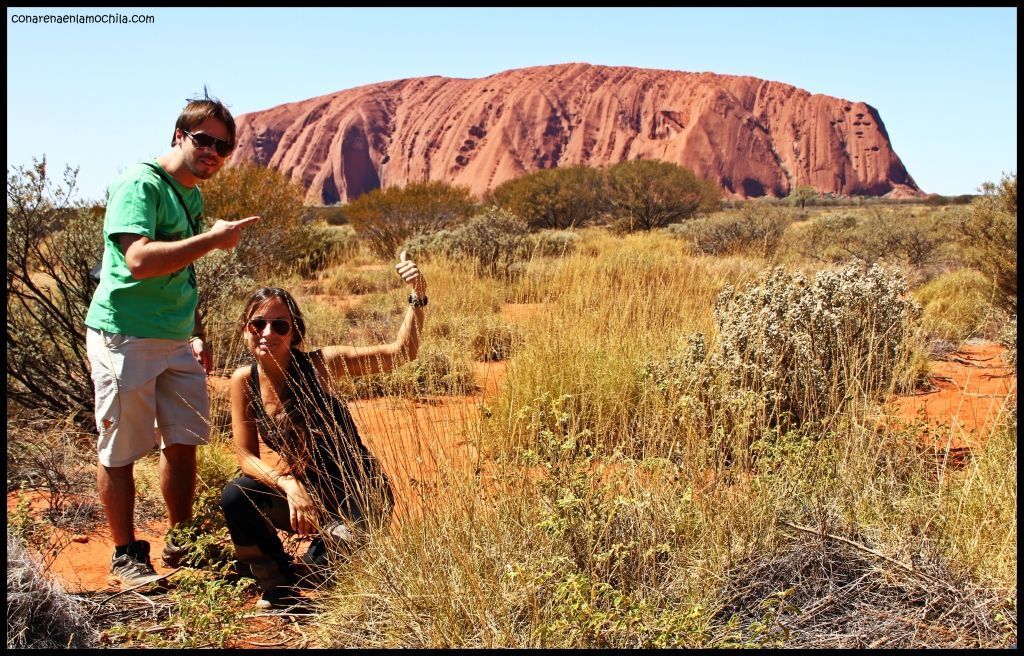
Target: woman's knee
x=236 y=495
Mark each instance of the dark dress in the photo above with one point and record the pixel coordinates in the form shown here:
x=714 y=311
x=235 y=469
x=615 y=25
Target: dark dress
x=319 y=441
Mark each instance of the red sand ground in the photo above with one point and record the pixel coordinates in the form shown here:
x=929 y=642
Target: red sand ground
x=972 y=389
x=414 y=441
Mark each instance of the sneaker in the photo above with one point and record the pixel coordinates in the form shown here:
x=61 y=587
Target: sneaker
x=284 y=597
x=133 y=568
x=173 y=554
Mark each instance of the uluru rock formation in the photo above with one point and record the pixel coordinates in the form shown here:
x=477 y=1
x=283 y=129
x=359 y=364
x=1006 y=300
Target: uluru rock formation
x=753 y=137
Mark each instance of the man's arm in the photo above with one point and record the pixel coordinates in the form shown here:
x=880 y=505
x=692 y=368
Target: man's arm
x=146 y=258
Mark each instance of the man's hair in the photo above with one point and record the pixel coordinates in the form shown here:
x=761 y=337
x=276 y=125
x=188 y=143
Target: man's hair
x=200 y=109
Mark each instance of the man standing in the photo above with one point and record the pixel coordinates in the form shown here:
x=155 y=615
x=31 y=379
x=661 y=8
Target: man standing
x=144 y=337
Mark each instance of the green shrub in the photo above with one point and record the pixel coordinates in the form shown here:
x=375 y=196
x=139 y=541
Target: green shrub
x=496 y=340
x=346 y=280
x=435 y=371
x=882 y=235
x=900 y=234
x=802 y=196
x=330 y=214
x=823 y=238
x=648 y=194
x=989 y=236
x=559 y=198
x=388 y=217
x=555 y=243
x=323 y=247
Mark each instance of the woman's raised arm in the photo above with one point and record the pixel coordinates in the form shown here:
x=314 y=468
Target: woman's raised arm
x=356 y=361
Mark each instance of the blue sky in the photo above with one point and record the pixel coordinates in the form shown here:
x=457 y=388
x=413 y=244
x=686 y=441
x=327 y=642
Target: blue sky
x=102 y=96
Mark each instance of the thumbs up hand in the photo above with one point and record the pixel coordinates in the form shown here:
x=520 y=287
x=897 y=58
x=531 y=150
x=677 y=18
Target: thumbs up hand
x=411 y=274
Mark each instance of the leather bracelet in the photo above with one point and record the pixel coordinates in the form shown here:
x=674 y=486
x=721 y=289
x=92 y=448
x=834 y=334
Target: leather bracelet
x=416 y=301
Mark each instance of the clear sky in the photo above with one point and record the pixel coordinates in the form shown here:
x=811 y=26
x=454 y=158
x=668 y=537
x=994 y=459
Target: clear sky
x=102 y=96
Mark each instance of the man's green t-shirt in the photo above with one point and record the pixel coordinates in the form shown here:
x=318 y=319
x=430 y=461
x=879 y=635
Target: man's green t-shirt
x=141 y=202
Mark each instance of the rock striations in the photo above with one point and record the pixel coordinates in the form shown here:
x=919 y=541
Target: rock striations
x=753 y=137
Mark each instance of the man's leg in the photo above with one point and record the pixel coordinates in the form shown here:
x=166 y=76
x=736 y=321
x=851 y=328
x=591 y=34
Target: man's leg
x=178 y=481
x=117 y=493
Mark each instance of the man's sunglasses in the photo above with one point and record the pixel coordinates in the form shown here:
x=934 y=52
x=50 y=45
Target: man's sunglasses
x=279 y=326
x=205 y=141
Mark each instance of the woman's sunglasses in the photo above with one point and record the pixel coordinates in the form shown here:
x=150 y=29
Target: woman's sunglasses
x=279 y=326
x=205 y=141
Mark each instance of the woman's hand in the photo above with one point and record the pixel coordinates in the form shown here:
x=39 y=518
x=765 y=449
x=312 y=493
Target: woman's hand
x=301 y=510
x=411 y=274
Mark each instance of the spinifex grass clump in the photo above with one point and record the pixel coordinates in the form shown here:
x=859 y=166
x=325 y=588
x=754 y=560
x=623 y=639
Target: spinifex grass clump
x=40 y=615
x=810 y=347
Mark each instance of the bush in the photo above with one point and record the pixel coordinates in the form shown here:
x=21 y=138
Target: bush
x=388 y=217
x=756 y=230
x=495 y=340
x=900 y=234
x=557 y=198
x=325 y=246
x=897 y=236
x=823 y=239
x=802 y=196
x=494 y=240
x=811 y=347
x=647 y=194
x=51 y=244
x=555 y=243
x=330 y=214
x=989 y=236
x=271 y=245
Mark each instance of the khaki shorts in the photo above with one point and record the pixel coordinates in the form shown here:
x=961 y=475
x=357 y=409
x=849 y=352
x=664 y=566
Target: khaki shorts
x=149 y=392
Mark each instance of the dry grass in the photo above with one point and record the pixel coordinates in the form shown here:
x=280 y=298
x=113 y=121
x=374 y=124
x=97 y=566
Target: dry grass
x=40 y=615
x=596 y=512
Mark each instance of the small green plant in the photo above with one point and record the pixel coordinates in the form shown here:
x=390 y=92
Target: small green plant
x=323 y=246
x=493 y=240
x=803 y=195
x=496 y=340
x=956 y=306
x=205 y=611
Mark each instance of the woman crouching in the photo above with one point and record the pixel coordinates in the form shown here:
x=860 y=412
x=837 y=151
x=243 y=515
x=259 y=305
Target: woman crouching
x=327 y=482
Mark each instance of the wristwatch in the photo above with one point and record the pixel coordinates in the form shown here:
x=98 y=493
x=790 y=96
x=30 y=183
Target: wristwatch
x=416 y=301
